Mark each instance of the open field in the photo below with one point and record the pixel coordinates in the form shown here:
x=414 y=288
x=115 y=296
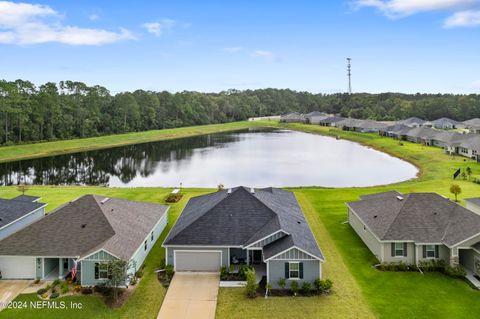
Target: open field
x=28 y=151
x=359 y=290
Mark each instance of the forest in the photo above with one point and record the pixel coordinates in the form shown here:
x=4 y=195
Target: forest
x=30 y=113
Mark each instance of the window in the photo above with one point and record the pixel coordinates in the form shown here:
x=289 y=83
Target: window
x=145 y=245
x=101 y=271
x=151 y=236
x=430 y=251
x=293 y=270
x=398 y=249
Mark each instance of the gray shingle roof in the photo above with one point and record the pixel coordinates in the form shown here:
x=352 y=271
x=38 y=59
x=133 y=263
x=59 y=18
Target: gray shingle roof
x=449 y=138
x=446 y=121
x=333 y=119
x=470 y=141
x=395 y=128
x=13 y=209
x=85 y=225
x=419 y=217
x=240 y=218
x=472 y=122
x=412 y=121
x=422 y=132
x=27 y=198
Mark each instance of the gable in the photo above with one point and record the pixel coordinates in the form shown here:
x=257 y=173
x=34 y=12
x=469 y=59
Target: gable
x=269 y=239
x=293 y=254
x=100 y=255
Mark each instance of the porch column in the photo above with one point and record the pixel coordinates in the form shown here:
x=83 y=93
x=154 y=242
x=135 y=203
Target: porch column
x=454 y=260
x=60 y=268
x=248 y=257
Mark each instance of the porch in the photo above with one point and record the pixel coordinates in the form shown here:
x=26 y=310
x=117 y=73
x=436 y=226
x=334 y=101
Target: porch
x=251 y=257
x=54 y=268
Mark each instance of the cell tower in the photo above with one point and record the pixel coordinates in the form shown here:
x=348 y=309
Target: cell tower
x=349 y=74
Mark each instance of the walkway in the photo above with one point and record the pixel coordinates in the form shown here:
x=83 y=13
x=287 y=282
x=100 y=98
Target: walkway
x=472 y=279
x=191 y=295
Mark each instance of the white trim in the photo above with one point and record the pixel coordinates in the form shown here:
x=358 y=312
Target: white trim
x=268 y=236
x=295 y=278
x=198 y=245
x=315 y=257
x=97 y=251
x=192 y=251
x=268 y=271
x=461 y=242
x=22 y=217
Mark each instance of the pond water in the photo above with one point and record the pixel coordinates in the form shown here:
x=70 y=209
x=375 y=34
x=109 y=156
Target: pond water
x=258 y=158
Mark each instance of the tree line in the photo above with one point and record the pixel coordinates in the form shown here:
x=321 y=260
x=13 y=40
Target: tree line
x=70 y=109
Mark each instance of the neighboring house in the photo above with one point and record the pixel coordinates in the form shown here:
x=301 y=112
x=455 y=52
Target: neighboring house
x=393 y=130
x=445 y=123
x=331 y=121
x=422 y=135
x=447 y=139
x=418 y=226
x=473 y=125
x=19 y=212
x=315 y=117
x=90 y=230
x=293 y=117
x=265 y=228
x=412 y=122
x=469 y=146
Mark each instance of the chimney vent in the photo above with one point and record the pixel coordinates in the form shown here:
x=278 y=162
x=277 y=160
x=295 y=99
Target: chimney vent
x=229 y=191
x=106 y=199
x=252 y=190
x=399 y=197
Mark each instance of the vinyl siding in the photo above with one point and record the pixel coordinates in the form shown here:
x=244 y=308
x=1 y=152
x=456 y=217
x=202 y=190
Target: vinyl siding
x=269 y=240
x=293 y=254
x=22 y=223
x=170 y=250
x=409 y=259
x=276 y=271
x=367 y=237
x=87 y=268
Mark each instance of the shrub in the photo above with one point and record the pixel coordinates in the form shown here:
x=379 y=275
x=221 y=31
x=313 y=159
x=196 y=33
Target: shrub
x=456 y=272
x=54 y=295
x=317 y=283
x=268 y=287
x=37 y=281
x=243 y=270
x=327 y=285
x=86 y=290
x=306 y=288
x=323 y=286
x=251 y=287
x=231 y=268
x=294 y=287
x=45 y=295
x=77 y=288
x=41 y=291
x=133 y=281
x=64 y=288
x=162 y=263
x=139 y=273
x=169 y=271
x=281 y=283
x=56 y=282
x=223 y=273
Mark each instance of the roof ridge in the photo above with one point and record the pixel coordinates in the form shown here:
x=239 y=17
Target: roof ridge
x=405 y=199
x=261 y=228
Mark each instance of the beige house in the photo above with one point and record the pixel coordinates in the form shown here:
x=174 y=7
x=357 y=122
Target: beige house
x=418 y=226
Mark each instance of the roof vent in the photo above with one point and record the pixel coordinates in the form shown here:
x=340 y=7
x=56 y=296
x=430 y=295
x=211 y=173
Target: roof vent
x=229 y=191
x=106 y=199
x=252 y=190
x=375 y=216
x=299 y=222
x=84 y=225
x=400 y=197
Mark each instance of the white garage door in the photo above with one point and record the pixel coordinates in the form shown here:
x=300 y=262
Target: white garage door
x=17 y=267
x=198 y=260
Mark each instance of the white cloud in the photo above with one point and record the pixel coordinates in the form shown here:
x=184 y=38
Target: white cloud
x=401 y=8
x=468 y=18
x=158 y=28
x=475 y=85
x=233 y=49
x=23 y=23
x=265 y=55
x=93 y=17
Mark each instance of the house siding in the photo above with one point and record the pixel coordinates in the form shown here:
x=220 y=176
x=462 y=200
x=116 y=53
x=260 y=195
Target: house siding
x=409 y=259
x=367 y=237
x=276 y=271
x=269 y=240
x=87 y=267
x=140 y=255
x=293 y=254
x=171 y=249
x=22 y=223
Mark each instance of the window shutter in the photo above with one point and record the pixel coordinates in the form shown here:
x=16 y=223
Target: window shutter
x=392 y=246
x=436 y=251
x=424 y=251
x=405 y=252
x=286 y=271
x=96 y=270
x=300 y=266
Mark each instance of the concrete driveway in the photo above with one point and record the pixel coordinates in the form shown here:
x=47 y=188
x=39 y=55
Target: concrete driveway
x=191 y=295
x=9 y=289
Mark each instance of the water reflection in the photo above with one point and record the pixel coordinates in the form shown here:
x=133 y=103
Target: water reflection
x=252 y=157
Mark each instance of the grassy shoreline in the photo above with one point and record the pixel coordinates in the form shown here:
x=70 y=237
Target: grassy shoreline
x=45 y=149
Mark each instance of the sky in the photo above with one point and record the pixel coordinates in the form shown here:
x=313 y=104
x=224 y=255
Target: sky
x=409 y=46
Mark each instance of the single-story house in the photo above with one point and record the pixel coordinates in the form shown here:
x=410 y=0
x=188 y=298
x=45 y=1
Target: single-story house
x=86 y=232
x=447 y=139
x=469 y=146
x=421 y=135
x=331 y=121
x=393 y=130
x=264 y=228
x=293 y=117
x=18 y=212
x=315 y=117
x=473 y=125
x=412 y=122
x=445 y=123
x=415 y=227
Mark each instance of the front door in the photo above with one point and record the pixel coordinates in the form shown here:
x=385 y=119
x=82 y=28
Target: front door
x=255 y=256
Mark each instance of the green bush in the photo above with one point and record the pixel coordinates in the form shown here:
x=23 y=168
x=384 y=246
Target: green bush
x=223 y=273
x=169 y=271
x=294 y=287
x=323 y=286
x=242 y=272
x=54 y=295
x=139 y=273
x=133 y=281
x=41 y=291
x=456 y=272
x=281 y=283
x=306 y=288
x=251 y=287
x=56 y=282
x=64 y=288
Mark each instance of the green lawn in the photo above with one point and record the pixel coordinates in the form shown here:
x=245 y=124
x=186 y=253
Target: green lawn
x=359 y=290
x=11 y=153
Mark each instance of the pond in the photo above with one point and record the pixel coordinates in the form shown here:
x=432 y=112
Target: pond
x=257 y=157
